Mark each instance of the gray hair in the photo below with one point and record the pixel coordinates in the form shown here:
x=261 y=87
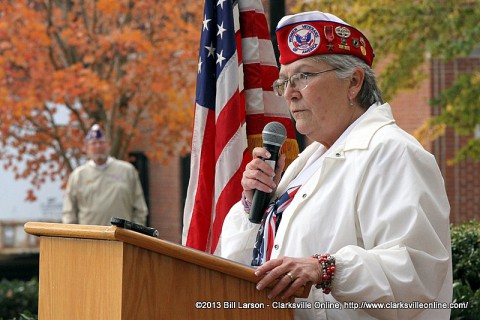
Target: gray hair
x=345 y=65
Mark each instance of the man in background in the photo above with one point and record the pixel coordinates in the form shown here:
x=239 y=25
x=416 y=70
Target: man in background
x=103 y=188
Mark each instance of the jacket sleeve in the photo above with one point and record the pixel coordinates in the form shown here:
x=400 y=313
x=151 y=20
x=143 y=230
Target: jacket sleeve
x=403 y=216
x=238 y=236
x=238 y=233
x=70 y=206
x=139 y=210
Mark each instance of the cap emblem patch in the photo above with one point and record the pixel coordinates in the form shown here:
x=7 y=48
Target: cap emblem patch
x=303 y=39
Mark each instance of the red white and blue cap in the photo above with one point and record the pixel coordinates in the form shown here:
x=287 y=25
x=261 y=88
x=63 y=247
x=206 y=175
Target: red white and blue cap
x=95 y=132
x=314 y=33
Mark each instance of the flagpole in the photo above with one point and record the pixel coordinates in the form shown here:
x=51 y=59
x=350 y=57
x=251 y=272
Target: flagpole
x=277 y=11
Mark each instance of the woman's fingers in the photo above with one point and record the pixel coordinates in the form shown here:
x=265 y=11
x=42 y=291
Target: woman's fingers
x=258 y=174
x=291 y=274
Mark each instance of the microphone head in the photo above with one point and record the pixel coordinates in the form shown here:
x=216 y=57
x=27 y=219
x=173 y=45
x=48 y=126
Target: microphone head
x=274 y=133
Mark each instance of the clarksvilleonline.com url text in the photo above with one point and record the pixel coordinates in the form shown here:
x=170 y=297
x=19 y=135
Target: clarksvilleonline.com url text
x=405 y=305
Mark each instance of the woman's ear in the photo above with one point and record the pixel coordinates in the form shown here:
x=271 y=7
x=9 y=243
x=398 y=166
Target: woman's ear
x=356 y=82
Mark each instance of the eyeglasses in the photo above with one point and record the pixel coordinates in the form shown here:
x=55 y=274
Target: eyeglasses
x=298 y=81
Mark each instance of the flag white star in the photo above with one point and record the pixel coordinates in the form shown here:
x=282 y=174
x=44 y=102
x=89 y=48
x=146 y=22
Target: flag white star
x=220 y=58
x=205 y=23
x=220 y=3
x=221 y=30
x=200 y=64
x=211 y=50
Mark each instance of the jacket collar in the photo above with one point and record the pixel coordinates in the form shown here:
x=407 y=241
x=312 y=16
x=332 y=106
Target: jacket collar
x=378 y=117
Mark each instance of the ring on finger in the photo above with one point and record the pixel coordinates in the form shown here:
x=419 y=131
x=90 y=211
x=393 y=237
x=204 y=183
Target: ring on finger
x=290 y=275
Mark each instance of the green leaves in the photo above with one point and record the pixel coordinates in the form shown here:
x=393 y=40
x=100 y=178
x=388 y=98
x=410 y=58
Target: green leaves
x=17 y=297
x=461 y=103
x=466 y=269
x=406 y=36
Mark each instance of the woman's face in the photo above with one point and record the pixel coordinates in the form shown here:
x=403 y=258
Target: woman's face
x=322 y=110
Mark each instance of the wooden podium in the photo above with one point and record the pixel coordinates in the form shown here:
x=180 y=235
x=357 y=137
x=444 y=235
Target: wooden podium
x=106 y=272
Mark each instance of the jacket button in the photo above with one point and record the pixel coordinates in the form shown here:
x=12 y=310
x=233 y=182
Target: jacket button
x=304 y=195
x=337 y=154
x=276 y=246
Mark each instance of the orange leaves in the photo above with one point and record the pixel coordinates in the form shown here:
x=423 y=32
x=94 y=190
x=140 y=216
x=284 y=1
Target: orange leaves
x=31 y=195
x=76 y=82
x=130 y=65
x=109 y=7
x=22 y=31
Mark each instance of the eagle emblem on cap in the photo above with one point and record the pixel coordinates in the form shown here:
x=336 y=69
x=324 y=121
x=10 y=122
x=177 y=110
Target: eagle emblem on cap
x=95 y=132
x=303 y=39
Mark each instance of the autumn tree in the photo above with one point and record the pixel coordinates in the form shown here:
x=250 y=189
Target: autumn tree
x=407 y=34
x=129 y=65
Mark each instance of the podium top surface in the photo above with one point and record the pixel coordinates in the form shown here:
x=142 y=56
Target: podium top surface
x=113 y=233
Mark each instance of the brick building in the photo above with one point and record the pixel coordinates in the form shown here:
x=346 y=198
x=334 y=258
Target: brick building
x=462 y=180
x=166 y=196
x=412 y=108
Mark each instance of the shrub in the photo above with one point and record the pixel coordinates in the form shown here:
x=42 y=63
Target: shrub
x=18 y=299
x=466 y=269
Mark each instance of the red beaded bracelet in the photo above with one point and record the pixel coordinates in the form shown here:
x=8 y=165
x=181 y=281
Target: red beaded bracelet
x=327 y=262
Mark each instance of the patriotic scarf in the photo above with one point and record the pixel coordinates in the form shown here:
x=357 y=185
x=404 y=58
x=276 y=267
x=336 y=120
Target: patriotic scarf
x=269 y=225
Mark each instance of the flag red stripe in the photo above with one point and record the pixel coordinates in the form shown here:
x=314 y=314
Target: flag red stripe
x=259 y=76
x=228 y=122
x=226 y=201
x=203 y=203
x=254 y=24
x=238 y=41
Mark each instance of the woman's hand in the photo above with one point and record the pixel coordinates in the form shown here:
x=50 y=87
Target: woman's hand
x=292 y=274
x=258 y=174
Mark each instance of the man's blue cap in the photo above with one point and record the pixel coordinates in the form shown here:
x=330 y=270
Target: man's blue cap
x=95 y=132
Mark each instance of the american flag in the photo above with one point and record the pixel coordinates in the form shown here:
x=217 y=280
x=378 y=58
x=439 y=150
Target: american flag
x=234 y=101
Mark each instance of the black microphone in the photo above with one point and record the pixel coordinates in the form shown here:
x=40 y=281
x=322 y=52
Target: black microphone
x=273 y=135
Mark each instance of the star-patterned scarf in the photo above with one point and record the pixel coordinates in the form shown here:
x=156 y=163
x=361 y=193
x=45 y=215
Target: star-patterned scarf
x=269 y=225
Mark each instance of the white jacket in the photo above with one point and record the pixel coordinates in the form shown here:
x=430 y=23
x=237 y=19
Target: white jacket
x=379 y=205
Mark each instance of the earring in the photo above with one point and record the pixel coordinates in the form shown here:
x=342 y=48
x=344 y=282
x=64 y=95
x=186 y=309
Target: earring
x=350 y=103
